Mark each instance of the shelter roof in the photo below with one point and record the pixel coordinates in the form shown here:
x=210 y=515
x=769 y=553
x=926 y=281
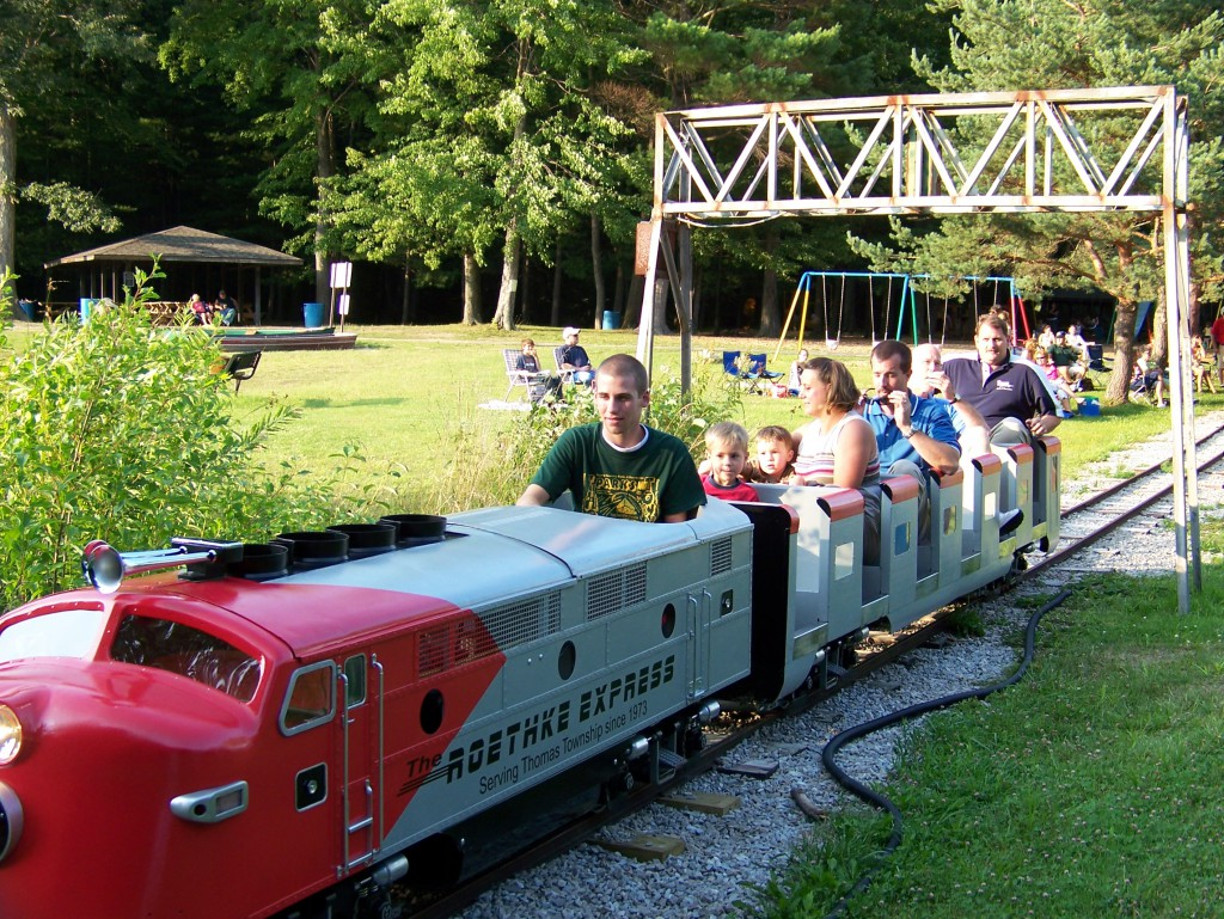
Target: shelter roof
x=182 y=244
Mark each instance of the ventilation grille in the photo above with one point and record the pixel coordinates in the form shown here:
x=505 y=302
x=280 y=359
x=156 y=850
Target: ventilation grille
x=524 y=621
x=720 y=556
x=616 y=590
x=497 y=630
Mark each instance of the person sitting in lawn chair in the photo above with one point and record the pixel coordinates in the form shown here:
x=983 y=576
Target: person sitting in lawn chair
x=541 y=382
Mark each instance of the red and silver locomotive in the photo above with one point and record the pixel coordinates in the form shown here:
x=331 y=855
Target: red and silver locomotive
x=289 y=729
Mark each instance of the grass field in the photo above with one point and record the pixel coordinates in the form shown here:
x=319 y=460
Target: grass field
x=1090 y=789
x=409 y=397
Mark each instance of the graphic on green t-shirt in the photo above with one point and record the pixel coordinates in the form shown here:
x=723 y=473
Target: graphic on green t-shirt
x=628 y=496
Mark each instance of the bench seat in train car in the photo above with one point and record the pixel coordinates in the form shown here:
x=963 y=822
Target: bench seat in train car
x=828 y=565
x=889 y=588
x=1047 y=491
x=1017 y=489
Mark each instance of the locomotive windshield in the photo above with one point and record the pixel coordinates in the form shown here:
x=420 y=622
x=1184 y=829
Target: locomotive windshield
x=64 y=633
x=188 y=652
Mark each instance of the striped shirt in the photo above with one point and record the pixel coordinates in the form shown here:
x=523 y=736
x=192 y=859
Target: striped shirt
x=815 y=457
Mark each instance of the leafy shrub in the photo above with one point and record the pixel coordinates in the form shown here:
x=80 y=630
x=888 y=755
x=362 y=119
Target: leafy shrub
x=118 y=430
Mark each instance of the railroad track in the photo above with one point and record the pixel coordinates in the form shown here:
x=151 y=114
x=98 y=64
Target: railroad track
x=1082 y=525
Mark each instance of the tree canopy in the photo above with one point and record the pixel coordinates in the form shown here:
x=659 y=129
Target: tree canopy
x=491 y=140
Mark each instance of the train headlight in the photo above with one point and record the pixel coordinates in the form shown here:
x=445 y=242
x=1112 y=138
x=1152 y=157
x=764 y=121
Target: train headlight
x=10 y=735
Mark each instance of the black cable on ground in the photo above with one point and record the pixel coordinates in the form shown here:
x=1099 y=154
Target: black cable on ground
x=875 y=799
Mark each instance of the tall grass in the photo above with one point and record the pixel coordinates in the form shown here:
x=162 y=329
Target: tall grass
x=411 y=399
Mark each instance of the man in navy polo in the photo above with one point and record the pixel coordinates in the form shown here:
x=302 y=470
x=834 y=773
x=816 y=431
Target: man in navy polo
x=1010 y=396
x=914 y=434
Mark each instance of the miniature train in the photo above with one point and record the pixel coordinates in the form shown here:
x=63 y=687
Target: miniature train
x=288 y=729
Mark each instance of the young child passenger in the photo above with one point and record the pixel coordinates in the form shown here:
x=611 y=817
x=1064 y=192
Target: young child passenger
x=775 y=453
x=726 y=453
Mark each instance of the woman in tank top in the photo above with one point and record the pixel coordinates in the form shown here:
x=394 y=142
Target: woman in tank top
x=838 y=446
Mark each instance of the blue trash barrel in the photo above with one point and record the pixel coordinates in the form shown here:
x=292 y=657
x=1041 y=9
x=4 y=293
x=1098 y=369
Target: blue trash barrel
x=611 y=319
x=312 y=315
x=87 y=305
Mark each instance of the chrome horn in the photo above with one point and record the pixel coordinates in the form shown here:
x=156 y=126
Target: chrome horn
x=104 y=567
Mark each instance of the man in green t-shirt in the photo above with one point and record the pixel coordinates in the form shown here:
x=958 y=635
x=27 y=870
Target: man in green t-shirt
x=618 y=467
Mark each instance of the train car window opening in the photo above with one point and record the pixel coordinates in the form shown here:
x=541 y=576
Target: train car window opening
x=310 y=700
x=843 y=561
x=901 y=538
x=355 y=671
x=177 y=648
x=63 y=633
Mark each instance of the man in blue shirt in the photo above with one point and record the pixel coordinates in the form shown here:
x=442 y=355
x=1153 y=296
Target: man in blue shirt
x=914 y=434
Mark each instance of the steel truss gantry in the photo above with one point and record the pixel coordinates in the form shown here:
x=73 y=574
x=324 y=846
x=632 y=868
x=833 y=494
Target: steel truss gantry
x=1031 y=151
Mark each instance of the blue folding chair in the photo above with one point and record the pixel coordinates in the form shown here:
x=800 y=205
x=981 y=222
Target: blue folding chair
x=752 y=372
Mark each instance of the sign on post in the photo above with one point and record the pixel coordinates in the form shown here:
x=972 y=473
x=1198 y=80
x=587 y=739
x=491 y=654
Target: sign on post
x=341 y=278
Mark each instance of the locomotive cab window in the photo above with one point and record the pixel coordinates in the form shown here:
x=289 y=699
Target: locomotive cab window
x=63 y=633
x=355 y=680
x=187 y=651
x=310 y=700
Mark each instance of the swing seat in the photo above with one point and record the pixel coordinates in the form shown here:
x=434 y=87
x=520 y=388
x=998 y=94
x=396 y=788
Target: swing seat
x=831 y=343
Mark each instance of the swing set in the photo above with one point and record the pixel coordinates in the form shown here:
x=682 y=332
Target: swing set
x=1003 y=294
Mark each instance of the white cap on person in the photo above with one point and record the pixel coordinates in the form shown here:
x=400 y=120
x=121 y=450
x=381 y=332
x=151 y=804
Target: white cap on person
x=568 y=331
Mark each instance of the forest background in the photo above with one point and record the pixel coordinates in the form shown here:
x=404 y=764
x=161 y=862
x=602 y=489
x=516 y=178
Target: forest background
x=490 y=158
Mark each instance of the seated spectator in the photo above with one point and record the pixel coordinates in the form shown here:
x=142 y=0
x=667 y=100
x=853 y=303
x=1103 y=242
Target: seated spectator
x=574 y=357
x=201 y=309
x=928 y=379
x=1061 y=386
x=838 y=447
x=226 y=308
x=1202 y=364
x=796 y=367
x=1149 y=378
x=726 y=454
x=541 y=383
x=775 y=454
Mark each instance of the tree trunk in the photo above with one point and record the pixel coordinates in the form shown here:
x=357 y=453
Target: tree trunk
x=554 y=316
x=597 y=268
x=524 y=300
x=471 y=290
x=633 y=302
x=503 y=318
x=8 y=187
x=1124 y=353
x=325 y=144
x=406 y=311
x=1160 y=333
x=618 y=290
x=771 y=321
x=661 y=298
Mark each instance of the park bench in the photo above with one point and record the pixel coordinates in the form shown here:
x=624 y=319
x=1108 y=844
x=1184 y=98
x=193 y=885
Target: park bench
x=241 y=366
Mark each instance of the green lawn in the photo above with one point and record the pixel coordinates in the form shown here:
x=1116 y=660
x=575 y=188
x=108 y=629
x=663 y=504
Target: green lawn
x=1090 y=789
x=409 y=397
